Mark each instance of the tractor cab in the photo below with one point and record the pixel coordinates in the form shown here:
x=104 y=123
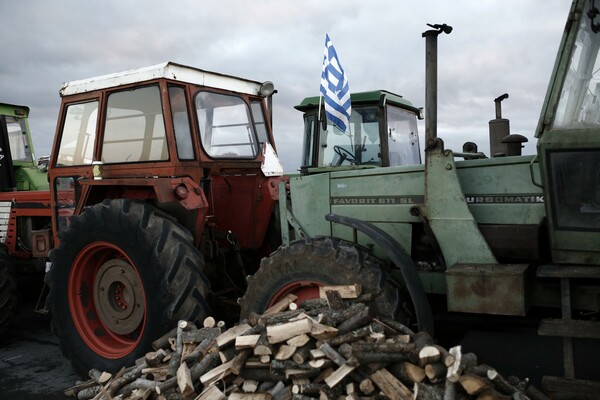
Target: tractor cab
x=382 y=133
x=18 y=169
x=569 y=143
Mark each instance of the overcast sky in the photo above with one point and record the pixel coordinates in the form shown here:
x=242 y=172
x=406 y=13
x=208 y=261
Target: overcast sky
x=496 y=46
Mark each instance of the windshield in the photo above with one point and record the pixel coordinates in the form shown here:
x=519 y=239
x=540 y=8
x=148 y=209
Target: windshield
x=17 y=136
x=360 y=145
x=579 y=104
x=403 y=138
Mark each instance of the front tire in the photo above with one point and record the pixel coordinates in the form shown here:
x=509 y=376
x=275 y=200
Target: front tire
x=123 y=275
x=303 y=266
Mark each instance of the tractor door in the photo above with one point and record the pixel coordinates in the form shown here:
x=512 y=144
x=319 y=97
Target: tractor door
x=569 y=145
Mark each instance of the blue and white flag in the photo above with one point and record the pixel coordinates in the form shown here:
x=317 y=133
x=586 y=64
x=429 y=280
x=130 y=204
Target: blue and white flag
x=334 y=87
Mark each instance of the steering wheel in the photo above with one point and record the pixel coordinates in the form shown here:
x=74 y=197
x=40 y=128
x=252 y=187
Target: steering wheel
x=344 y=155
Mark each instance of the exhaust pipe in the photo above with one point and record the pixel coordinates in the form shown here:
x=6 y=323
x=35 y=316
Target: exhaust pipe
x=431 y=81
x=499 y=129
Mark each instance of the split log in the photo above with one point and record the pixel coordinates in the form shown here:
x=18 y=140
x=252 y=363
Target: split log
x=334 y=300
x=281 y=305
x=263 y=347
x=390 y=385
x=298 y=341
x=286 y=352
x=408 y=372
x=227 y=353
x=302 y=354
x=99 y=377
x=239 y=360
x=74 y=390
x=351 y=337
x=184 y=380
x=229 y=335
x=345 y=291
x=473 y=384
x=211 y=393
x=183 y=326
x=435 y=371
x=339 y=374
x=216 y=373
x=283 y=332
x=246 y=341
x=322 y=332
x=462 y=362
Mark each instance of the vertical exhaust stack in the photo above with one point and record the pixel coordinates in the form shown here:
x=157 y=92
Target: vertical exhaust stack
x=431 y=81
x=499 y=129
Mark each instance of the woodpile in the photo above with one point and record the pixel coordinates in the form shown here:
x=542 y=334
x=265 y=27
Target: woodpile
x=327 y=348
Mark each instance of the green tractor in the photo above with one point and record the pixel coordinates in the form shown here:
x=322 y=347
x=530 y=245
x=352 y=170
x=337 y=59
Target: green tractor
x=24 y=211
x=462 y=233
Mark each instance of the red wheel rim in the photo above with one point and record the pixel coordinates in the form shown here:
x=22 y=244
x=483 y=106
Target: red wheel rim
x=107 y=300
x=304 y=290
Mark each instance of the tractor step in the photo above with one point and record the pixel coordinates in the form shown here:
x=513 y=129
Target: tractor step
x=569 y=328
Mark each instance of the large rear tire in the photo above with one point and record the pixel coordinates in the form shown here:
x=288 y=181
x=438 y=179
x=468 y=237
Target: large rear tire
x=303 y=266
x=123 y=275
x=9 y=297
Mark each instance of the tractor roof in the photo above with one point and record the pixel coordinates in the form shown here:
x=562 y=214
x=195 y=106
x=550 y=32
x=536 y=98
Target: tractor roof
x=363 y=98
x=168 y=70
x=14 y=110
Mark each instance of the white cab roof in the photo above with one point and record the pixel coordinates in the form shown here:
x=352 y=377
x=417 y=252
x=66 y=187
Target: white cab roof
x=167 y=70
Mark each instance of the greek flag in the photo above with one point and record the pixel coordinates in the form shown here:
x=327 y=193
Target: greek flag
x=334 y=87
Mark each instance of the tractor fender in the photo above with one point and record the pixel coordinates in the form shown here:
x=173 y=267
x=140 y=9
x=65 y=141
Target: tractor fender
x=401 y=260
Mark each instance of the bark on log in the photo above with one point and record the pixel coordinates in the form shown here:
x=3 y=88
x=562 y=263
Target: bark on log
x=163 y=341
x=473 y=384
x=239 y=360
x=283 y=332
x=281 y=305
x=390 y=385
x=344 y=291
x=211 y=393
x=334 y=300
x=184 y=380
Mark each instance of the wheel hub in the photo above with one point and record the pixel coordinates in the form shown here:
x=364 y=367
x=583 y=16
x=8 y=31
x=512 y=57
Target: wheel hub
x=119 y=297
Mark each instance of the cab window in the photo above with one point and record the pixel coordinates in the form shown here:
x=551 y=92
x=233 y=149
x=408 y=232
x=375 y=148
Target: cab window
x=135 y=128
x=225 y=124
x=181 y=123
x=78 y=134
x=17 y=137
x=403 y=139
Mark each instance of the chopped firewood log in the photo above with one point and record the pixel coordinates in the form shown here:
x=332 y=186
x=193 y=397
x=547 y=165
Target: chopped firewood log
x=316 y=354
x=198 y=335
x=285 y=352
x=397 y=326
x=163 y=341
x=435 y=371
x=345 y=291
x=473 y=384
x=99 y=377
x=322 y=332
x=313 y=304
x=246 y=341
x=184 y=380
x=250 y=396
x=390 y=385
x=302 y=354
x=281 y=305
x=293 y=307
x=408 y=372
x=428 y=392
x=229 y=335
x=461 y=363
x=216 y=373
x=339 y=374
x=239 y=360
x=283 y=332
x=361 y=347
x=279 y=318
x=209 y=322
x=211 y=393
x=335 y=317
x=227 y=353
x=298 y=341
x=249 y=386
x=356 y=321
x=334 y=300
